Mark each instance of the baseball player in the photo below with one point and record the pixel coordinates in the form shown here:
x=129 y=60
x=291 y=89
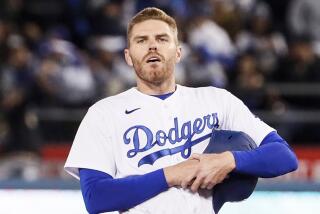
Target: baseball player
x=141 y=151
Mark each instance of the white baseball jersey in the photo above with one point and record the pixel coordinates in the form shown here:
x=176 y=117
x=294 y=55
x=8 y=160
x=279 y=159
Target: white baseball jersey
x=133 y=133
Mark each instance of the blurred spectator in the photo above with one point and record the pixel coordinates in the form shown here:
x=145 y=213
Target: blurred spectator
x=63 y=77
x=229 y=15
x=11 y=10
x=33 y=35
x=301 y=65
x=214 y=52
x=266 y=44
x=213 y=40
x=46 y=13
x=203 y=72
x=249 y=82
x=181 y=70
x=177 y=8
x=163 y=4
x=4 y=34
x=304 y=20
x=279 y=13
x=111 y=73
x=16 y=92
x=78 y=20
x=106 y=18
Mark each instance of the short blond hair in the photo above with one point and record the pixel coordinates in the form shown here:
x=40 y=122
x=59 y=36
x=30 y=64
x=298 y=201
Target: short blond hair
x=152 y=13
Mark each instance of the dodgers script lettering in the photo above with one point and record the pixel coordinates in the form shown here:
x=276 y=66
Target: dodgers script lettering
x=142 y=139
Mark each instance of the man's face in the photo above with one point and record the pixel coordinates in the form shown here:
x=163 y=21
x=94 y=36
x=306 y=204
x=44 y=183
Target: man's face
x=153 y=51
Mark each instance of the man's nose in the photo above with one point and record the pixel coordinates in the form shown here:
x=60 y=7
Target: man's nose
x=153 y=46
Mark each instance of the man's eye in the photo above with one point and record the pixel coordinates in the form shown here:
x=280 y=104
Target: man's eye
x=163 y=39
x=140 y=41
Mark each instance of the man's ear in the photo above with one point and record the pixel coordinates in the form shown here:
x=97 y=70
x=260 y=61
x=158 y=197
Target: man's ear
x=128 y=57
x=178 y=54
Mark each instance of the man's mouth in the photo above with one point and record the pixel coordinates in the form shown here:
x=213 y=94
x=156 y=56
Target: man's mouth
x=153 y=59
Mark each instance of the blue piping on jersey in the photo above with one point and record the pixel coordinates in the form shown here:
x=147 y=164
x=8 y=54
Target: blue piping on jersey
x=163 y=96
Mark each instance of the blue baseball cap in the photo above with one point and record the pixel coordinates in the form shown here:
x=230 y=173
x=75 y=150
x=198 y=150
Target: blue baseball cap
x=238 y=186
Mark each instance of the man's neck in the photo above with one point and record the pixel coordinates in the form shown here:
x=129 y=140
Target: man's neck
x=157 y=89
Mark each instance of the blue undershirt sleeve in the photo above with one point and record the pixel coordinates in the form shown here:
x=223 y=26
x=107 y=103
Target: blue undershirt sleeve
x=272 y=158
x=102 y=193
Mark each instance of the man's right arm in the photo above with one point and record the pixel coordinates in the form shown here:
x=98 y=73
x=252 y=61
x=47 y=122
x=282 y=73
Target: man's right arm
x=102 y=193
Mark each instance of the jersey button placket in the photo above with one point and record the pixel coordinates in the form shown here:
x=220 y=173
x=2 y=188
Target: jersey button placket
x=167 y=112
x=170 y=118
x=167 y=116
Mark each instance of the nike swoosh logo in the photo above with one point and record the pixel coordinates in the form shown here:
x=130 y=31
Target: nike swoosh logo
x=129 y=112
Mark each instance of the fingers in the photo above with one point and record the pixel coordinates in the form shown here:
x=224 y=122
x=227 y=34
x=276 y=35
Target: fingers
x=212 y=180
x=208 y=181
x=211 y=185
x=188 y=179
x=200 y=171
x=187 y=182
x=184 y=184
x=182 y=174
x=196 y=184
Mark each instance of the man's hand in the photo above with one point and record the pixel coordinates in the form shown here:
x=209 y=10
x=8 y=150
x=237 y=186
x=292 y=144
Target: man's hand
x=182 y=174
x=213 y=169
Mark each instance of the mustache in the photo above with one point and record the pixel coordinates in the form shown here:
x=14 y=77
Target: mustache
x=153 y=54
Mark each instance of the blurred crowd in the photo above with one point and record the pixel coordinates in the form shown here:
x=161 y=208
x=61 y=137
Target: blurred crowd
x=69 y=53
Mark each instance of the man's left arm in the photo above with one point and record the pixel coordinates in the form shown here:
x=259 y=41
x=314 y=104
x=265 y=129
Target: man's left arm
x=272 y=158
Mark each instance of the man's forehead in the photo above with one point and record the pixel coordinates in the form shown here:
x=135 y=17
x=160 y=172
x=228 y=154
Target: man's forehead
x=151 y=27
